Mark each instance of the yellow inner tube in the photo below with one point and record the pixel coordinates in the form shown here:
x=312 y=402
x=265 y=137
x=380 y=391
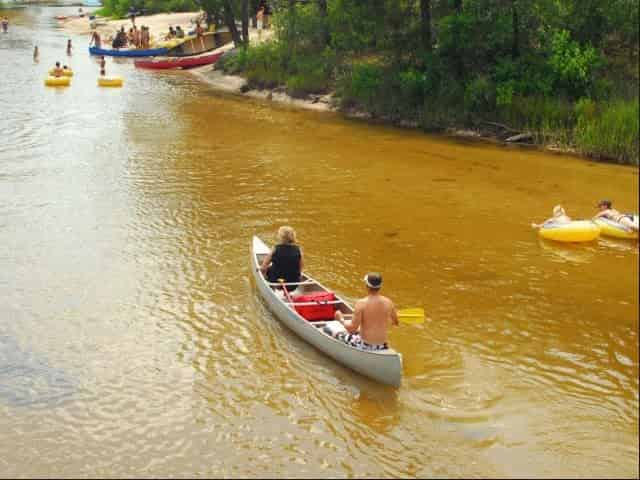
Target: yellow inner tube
x=65 y=73
x=57 y=81
x=577 y=231
x=110 y=82
x=611 y=228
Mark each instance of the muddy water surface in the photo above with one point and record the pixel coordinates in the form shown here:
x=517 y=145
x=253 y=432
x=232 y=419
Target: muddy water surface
x=132 y=342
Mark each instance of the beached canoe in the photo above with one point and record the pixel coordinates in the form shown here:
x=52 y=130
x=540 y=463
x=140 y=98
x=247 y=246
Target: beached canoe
x=151 y=52
x=384 y=366
x=202 y=44
x=179 y=62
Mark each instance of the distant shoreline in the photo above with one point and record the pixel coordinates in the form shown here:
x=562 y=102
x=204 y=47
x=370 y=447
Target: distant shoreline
x=238 y=85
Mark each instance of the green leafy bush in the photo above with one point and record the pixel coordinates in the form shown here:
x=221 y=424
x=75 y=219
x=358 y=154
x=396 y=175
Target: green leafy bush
x=572 y=65
x=479 y=96
x=362 y=85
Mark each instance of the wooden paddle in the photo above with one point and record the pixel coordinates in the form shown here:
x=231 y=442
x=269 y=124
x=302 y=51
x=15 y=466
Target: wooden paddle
x=286 y=292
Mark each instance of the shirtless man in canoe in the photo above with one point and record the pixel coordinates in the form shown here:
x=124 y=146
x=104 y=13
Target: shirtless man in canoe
x=372 y=318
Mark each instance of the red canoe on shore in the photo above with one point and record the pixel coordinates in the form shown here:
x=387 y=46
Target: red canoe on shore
x=179 y=62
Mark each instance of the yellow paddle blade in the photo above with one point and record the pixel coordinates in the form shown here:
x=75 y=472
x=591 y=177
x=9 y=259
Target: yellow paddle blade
x=411 y=316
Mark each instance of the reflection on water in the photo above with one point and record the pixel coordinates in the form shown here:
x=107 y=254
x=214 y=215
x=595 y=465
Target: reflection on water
x=28 y=381
x=568 y=252
x=126 y=219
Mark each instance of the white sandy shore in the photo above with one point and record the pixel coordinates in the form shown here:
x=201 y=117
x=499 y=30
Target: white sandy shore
x=158 y=24
x=234 y=84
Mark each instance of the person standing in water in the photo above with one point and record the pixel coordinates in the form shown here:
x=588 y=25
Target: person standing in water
x=5 y=24
x=95 y=39
x=69 y=47
x=103 y=65
x=36 y=54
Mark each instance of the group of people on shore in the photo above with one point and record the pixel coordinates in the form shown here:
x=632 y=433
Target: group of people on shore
x=174 y=33
x=373 y=315
x=605 y=210
x=135 y=38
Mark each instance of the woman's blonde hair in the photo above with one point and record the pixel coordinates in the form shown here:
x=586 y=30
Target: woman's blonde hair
x=286 y=234
x=558 y=210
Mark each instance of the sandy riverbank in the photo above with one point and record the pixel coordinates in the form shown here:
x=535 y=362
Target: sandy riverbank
x=236 y=85
x=158 y=24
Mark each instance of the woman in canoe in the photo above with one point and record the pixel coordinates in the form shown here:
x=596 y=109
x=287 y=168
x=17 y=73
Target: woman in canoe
x=607 y=211
x=285 y=260
x=559 y=216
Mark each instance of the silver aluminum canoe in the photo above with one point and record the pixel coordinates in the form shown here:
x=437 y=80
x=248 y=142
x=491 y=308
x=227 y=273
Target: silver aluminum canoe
x=384 y=366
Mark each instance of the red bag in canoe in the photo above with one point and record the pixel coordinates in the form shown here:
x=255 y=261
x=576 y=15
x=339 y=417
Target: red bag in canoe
x=321 y=310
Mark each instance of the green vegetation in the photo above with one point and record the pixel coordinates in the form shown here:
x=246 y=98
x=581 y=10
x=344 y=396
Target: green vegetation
x=120 y=8
x=564 y=70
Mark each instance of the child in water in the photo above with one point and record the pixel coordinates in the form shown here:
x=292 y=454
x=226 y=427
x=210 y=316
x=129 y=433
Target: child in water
x=559 y=216
x=69 y=47
x=102 y=66
x=35 y=53
x=57 y=71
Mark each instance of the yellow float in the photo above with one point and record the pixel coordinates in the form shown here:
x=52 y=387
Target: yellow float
x=57 y=81
x=65 y=72
x=109 y=82
x=610 y=228
x=576 y=231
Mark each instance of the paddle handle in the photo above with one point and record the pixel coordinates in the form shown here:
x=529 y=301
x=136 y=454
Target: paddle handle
x=286 y=292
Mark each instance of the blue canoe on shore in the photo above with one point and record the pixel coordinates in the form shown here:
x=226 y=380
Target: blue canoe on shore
x=152 y=52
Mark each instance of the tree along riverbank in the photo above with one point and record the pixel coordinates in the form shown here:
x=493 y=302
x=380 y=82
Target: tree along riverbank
x=562 y=74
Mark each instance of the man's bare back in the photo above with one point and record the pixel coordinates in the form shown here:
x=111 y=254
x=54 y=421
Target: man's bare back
x=374 y=314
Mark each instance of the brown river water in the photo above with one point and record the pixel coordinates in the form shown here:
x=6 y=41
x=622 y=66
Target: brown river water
x=133 y=343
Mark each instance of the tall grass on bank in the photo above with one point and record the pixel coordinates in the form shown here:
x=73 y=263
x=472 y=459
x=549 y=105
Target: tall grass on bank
x=609 y=132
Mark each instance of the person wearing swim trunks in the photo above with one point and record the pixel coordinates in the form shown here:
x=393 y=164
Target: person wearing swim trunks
x=606 y=211
x=372 y=318
x=5 y=24
x=95 y=39
x=559 y=216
